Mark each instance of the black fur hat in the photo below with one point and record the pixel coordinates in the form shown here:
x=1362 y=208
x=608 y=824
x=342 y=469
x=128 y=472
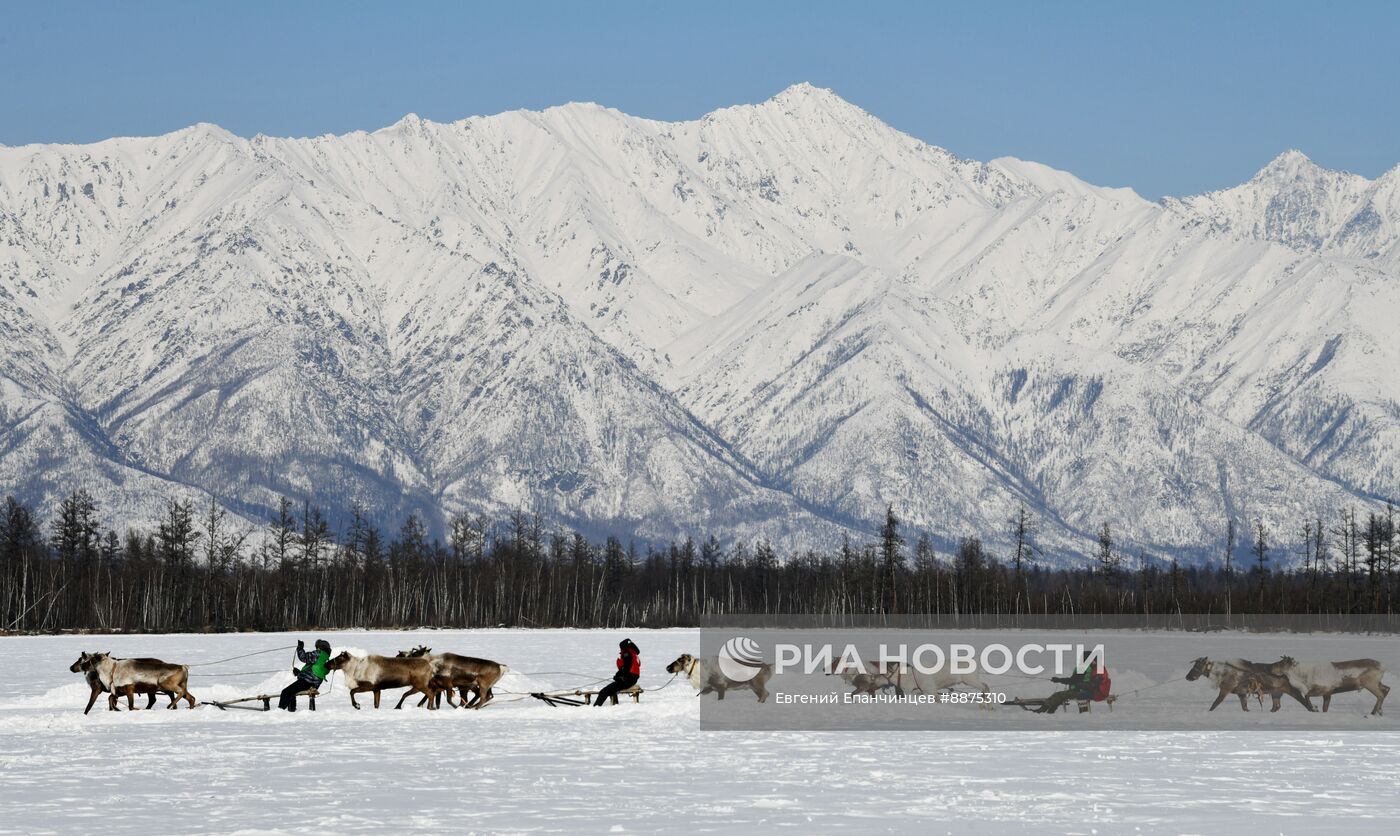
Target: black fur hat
x=322 y=644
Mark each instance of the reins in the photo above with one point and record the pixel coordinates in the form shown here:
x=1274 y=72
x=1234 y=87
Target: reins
x=244 y=656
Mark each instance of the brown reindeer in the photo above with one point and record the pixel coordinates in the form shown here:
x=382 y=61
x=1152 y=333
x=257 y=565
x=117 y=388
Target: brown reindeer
x=378 y=673
x=473 y=678
x=128 y=676
x=1244 y=679
x=863 y=682
x=84 y=666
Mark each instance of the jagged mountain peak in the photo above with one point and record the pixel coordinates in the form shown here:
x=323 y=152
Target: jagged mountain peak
x=1297 y=202
x=804 y=92
x=1289 y=163
x=209 y=130
x=1294 y=169
x=409 y=120
x=804 y=101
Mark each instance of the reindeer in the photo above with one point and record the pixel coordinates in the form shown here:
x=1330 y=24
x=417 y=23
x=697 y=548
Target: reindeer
x=867 y=681
x=897 y=675
x=377 y=673
x=928 y=683
x=84 y=665
x=464 y=673
x=127 y=676
x=1323 y=679
x=707 y=677
x=1244 y=678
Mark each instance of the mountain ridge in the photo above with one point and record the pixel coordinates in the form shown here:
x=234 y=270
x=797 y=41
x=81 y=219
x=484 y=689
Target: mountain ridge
x=558 y=310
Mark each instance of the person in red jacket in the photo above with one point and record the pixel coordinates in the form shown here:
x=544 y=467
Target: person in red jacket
x=629 y=668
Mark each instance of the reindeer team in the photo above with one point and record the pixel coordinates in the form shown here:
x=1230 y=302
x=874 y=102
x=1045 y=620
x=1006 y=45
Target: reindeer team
x=1287 y=676
x=468 y=681
x=419 y=670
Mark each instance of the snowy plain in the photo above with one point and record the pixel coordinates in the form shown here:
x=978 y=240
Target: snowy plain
x=522 y=767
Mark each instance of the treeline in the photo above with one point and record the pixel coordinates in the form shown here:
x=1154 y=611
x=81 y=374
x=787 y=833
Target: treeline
x=198 y=571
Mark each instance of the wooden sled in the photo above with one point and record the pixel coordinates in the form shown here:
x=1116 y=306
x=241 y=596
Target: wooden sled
x=1034 y=703
x=266 y=701
x=581 y=697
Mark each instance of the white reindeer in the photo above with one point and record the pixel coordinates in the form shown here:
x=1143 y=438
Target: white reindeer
x=1323 y=679
x=904 y=677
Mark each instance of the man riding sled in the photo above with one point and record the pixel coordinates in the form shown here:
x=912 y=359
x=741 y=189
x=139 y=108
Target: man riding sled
x=1089 y=683
x=312 y=674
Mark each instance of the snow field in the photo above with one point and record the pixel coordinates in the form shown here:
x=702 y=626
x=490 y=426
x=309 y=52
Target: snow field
x=520 y=766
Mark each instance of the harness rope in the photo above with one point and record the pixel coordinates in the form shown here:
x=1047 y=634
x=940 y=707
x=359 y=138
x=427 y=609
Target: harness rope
x=565 y=691
x=1143 y=688
x=244 y=656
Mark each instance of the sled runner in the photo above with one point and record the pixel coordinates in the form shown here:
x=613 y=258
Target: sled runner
x=266 y=702
x=1037 y=703
x=581 y=697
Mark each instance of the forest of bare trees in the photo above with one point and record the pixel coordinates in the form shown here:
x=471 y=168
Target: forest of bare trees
x=198 y=571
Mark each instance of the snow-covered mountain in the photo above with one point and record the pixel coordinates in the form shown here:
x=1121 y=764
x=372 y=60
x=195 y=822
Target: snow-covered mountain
x=1296 y=202
x=768 y=322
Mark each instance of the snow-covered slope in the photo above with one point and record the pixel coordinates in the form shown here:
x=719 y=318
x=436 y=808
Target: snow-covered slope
x=768 y=322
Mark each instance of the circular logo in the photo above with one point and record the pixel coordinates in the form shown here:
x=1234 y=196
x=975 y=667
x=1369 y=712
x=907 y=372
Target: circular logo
x=740 y=659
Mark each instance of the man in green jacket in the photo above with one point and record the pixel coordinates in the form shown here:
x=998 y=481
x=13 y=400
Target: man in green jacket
x=312 y=674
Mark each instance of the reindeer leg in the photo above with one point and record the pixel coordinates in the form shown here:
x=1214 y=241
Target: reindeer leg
x=93 y=699
x=1326 y=702
x=131 y=698
x=183 y=694
x=478 y=695
x=1299 y=696
x=405 y=696
x=1219 y=698
x=353 y=692
x=1375 y=691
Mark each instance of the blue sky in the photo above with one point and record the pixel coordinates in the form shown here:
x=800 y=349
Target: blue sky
x=1174 y=99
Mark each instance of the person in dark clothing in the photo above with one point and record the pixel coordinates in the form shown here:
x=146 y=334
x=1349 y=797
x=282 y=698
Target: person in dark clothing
x=312 y=674
x=629 y=668
x=1082 y=685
